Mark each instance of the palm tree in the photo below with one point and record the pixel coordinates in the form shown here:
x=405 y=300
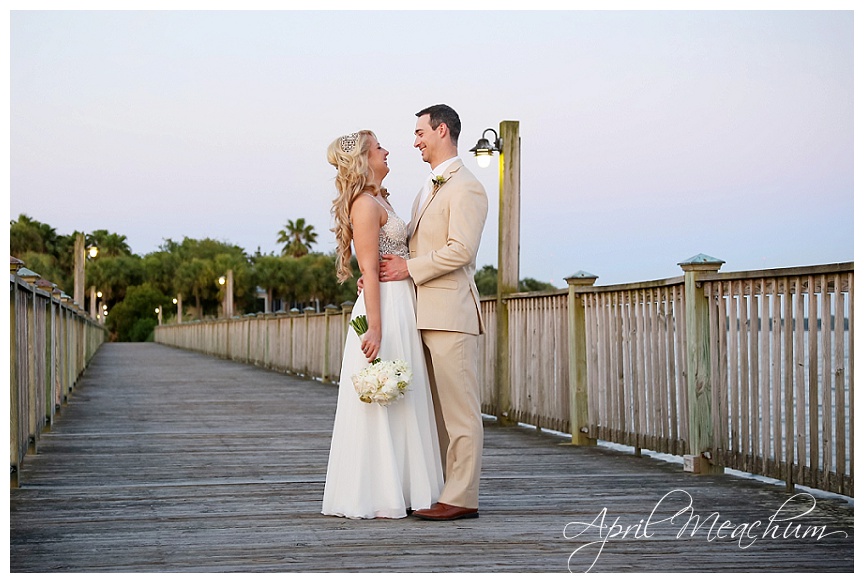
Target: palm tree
x=26 y=234
x=109 y=244
x=297 y=238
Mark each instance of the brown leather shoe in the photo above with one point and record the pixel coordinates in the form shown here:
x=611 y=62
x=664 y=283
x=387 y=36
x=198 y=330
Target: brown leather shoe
x=441 y=511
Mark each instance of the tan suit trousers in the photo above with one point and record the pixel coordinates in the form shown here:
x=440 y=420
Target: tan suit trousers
x=452 y=361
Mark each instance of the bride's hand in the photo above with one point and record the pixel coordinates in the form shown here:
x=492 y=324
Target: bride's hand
x=370 y=344
x=359 y=285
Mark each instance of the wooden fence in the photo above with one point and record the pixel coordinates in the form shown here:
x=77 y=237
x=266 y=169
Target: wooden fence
x=748 y=370
x=51 y=343
x=304 y=343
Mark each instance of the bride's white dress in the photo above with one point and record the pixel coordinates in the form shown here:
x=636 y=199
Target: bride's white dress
x=385 y=459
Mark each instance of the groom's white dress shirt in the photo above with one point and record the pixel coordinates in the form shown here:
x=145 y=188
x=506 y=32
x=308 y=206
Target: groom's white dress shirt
x=427 y=186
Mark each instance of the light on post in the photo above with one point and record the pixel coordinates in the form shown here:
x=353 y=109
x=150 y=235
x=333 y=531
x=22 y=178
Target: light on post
x=178 y=301
x=508 y=146
x=81 y=254
x=227 y=280
x=484 y=149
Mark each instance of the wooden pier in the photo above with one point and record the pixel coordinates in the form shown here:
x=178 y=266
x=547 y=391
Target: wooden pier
x=171 y=461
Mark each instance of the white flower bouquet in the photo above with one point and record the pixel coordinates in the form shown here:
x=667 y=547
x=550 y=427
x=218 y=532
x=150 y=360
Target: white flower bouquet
x=383 y=381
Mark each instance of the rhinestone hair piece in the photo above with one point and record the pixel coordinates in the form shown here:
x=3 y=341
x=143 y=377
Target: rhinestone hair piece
x=349 y=142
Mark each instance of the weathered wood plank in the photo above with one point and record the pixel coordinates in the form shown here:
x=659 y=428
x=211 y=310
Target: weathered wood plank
x=170 y=461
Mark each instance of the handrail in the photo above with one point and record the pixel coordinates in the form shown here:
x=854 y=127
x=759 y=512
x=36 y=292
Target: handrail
x=52 y=341
x=657 y=364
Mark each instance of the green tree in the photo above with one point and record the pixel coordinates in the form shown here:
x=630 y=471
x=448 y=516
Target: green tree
x=26 y=234
x=266 y=274
x=531 y=284
x=113 y=275
x=486 y=279
x=109 y=244
x=196 y=278
x=160 y=269
x=297 y=238
x=200 y=263
x=47 y=266
x=133 y=319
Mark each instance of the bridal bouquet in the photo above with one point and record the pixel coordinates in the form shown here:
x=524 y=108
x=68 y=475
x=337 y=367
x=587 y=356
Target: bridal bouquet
x=383 y=381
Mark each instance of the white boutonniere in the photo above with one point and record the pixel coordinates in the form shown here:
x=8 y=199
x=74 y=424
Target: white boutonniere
x=439 y=180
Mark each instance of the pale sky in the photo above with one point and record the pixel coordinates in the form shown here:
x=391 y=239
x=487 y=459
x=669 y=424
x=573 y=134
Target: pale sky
x=647 y=136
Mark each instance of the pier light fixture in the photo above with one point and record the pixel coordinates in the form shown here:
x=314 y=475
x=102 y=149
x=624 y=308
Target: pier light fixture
x=507 y=143
x=92 y=251
x=222 y=280
x=484 y=149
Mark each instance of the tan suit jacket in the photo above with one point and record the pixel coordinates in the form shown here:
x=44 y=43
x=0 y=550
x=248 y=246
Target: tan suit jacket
x=444 y=236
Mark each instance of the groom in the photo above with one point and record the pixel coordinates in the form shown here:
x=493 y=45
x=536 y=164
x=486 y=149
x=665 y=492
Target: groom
x=444 y=234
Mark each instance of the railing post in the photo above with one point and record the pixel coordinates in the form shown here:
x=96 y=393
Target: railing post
x=29 y=277
x=329 y=311
x=15 y=417
x=578 y=359
x=699 y=366
x=347 y=308
x=307 y=344
x=295 y=313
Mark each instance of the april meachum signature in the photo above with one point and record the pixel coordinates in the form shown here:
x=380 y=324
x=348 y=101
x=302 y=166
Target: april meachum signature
x=601 y=530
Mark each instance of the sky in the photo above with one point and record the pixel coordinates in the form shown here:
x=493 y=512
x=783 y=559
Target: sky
x=647 y=136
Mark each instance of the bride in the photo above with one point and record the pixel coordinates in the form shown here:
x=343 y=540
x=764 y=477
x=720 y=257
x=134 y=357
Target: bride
x=384 y=459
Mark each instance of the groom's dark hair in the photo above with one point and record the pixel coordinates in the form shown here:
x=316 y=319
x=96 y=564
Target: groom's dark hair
x=441 y=113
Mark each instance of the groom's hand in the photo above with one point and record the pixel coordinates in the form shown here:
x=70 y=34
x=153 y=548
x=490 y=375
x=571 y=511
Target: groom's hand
x=392 y=268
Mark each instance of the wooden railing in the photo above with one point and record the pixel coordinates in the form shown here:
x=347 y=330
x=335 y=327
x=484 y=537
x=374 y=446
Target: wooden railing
x=51 y=343
x=723 y=369
x=304 y=343
x=781 y=357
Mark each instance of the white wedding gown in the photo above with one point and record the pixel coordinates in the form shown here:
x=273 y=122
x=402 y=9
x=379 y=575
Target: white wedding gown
x=385 y=459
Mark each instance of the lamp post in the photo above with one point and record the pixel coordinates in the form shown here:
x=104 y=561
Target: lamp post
x=227 y=281
x=178 y=301
x=78 y=293
x=508 y=145
x=99 y=306
x=81 y=255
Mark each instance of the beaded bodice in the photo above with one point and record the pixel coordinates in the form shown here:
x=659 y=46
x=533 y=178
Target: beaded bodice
x=393 y=236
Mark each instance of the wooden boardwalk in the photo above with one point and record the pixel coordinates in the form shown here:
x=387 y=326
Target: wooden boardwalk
x=170 y=461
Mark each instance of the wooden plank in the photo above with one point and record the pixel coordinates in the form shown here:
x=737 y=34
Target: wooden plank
x=827 y=401
x=735 y=442
x=765 y=379
x=800 y=399
x=813 y=374
x=172 y=461
x=776 y=374
x=839 y=378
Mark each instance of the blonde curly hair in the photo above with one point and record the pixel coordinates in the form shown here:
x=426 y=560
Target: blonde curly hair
x=353 y=177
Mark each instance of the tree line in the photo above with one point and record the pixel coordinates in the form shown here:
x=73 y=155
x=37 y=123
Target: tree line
x=133 y=286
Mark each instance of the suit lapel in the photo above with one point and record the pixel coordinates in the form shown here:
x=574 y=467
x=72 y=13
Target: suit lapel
x=417 y=214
